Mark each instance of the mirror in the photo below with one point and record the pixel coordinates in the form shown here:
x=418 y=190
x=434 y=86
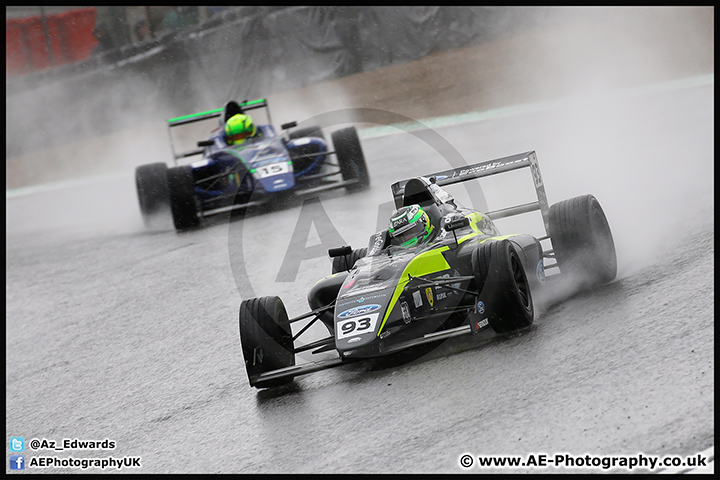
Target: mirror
x=455 y=224
x=340 y=251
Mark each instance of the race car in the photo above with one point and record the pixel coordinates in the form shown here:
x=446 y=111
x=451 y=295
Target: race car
x=389 y=302
x=267 y=168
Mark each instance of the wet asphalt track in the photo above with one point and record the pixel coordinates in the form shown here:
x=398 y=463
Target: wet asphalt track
x=121 y=333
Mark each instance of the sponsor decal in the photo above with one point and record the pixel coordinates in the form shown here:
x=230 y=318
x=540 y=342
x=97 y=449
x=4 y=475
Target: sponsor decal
x=537 y=179
x=361 y=299
x=480 y=308
x=405 y=312
x=361 y=290
x=485 y=167
x=400 y=222
x=535 y=170
x=271 y=170
x=399 y=225
x=441 y=295
x=429 y=295
x=356 y=325
x=361 y=310
x=417 y=298
x=377 y=242
x=476 y=326
x=355 y=339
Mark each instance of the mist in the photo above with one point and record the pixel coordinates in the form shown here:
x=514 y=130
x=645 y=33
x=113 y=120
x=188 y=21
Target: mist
x=592 y=76
x=130 y=333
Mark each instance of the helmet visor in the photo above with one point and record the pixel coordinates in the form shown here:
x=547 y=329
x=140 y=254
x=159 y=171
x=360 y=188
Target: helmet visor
x=409 y=235
x=237 y=138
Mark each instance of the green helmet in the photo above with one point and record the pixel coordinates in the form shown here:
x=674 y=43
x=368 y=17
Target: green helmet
x=239 y=128
x=410 y=226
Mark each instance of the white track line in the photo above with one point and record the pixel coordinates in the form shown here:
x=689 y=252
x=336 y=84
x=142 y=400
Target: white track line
x=435 y=122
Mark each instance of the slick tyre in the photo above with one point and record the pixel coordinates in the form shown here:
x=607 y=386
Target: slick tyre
x=345 y=263
x=582 y=241
x=503 y=286
x=152 y=190
x=183 y=204
x=351 y=158
x=266 y=339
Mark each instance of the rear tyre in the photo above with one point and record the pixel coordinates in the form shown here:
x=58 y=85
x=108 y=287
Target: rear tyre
x=266 y=339
x=182 y=197
x=351 y=158
x=503 y=285
x=303 y=155
x=152 y=190
x=582 y=241
x=315 y=131
x=346 y=262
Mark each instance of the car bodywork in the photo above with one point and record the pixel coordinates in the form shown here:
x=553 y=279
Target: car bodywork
x=383 y=300
x=264 y=169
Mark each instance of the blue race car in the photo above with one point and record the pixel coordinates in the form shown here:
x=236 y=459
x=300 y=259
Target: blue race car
x=263 y=169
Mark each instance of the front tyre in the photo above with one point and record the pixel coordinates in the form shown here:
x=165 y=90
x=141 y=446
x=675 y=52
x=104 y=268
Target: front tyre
x=351 y=158
x=266 y=339
x=582 y=241
x=183 y=204
x=503 y=285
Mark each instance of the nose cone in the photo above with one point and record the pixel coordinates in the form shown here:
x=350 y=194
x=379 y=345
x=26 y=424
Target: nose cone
x=276 y=182
x=361 y=305
x=357 y=326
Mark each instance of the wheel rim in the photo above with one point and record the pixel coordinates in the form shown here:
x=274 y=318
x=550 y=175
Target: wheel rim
x=520 y=281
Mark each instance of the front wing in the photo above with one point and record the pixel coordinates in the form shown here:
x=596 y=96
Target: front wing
x=311 y=367
x=268 y=197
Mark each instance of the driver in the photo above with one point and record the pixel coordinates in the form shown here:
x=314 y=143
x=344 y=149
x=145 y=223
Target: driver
x=239 y=128
x=410 y=226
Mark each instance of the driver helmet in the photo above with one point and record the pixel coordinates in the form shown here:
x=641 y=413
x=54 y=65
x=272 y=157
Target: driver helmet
x=239 y=128
x=410 y=226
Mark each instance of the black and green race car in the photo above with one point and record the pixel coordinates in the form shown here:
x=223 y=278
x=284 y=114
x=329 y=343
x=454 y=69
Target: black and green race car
x=387 y=302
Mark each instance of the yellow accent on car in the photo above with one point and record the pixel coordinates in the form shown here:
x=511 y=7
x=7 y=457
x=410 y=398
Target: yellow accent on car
x=425 y=263
x=433 y=261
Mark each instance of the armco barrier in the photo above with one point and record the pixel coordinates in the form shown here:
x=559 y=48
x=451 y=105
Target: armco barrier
x=244 y=57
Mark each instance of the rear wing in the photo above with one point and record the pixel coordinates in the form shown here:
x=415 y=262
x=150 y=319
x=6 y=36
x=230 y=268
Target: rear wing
x=198 y=117
x=485 y=169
